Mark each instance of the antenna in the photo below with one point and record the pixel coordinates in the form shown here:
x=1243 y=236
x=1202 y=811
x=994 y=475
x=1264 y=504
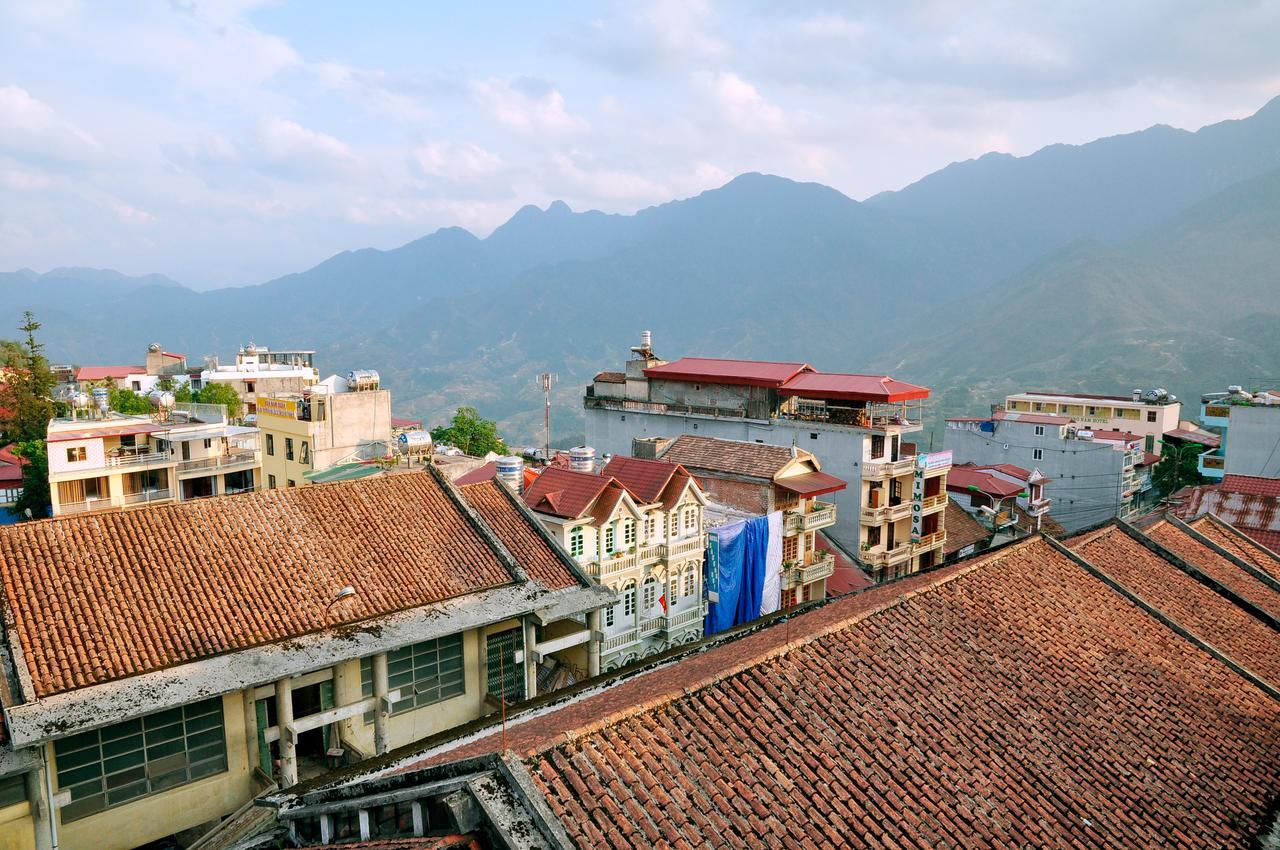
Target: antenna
x=546 y=380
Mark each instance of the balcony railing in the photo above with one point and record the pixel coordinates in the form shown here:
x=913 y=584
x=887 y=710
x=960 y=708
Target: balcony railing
x=630 y=636
x=651 y=625
x=612 y=564
x=680 y=548
x=888 y=469
x=819 y=515
x=822 y=566
x=132 y=459
x=235 y=459
x=684 y=618
x=649 y=552
x=147 y=497
x=87 y=506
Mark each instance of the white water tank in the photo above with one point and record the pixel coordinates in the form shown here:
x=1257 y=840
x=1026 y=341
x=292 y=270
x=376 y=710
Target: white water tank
x=582 y=459
x=414 y=442
x=102 y=399
x=359 y=380
x=160 y=400
x=511 y=472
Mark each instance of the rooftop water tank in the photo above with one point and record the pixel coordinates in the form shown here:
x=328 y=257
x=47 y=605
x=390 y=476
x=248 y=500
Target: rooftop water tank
x=101 y=399
x=359 y=380
x=511 y=472
x=160 y=399
x=582 y=459
x=414 y=441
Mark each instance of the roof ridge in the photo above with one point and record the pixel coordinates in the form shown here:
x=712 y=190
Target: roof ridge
x=778 y=650
x=1240 y=535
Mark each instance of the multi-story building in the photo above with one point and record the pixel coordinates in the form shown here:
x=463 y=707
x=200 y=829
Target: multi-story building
x=1092 y=480
x=163 y=668
x=637 y=528
x=117 y=461
x=333 y=422
x=1007 y=499
x=853 y=424
x=260 y=372
x=1147 y=413
x=756 y=479
x=1248 y=429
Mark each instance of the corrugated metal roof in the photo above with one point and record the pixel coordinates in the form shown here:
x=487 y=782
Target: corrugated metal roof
x=756 y=373
x=833 y=385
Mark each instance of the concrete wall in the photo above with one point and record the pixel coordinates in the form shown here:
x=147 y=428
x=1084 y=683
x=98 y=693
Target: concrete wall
x=95 y=457
x=1252 y=441
x=838 y=448
x=1085 y=478
x=279 y=428
x=17 y=829
x=157 y=815
x=352 y=420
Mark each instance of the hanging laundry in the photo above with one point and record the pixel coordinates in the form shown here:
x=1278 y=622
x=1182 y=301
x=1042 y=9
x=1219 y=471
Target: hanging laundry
x=771 y=599
x=736 y=567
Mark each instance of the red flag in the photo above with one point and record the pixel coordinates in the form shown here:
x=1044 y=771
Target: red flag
x=662 y=600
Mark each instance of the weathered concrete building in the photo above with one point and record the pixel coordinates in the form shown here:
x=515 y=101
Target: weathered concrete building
x=1149 y=413
x=853 y=424
x=1248 y=427
x=163 y=667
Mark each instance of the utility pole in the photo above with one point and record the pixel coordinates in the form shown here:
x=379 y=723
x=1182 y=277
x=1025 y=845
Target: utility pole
x=546 y=380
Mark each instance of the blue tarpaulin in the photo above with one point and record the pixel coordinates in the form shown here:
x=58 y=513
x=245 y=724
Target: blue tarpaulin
x=737 y=555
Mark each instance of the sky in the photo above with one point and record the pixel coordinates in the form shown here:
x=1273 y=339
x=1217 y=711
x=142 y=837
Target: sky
x=231 y=141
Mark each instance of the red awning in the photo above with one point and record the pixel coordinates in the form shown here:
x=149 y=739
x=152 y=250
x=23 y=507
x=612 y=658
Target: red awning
x=812 y=484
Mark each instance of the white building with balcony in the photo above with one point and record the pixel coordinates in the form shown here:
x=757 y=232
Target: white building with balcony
x=636 y=527
x=833 y=416
x=117 y=461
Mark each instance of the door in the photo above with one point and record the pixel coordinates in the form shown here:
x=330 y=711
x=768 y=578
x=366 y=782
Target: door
x=504 y=675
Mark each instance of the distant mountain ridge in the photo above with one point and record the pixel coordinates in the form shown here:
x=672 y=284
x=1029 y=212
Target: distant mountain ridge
x=1099 y=246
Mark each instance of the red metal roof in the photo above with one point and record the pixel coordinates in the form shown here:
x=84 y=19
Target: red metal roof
x=834 y=385
x=1033 y=418
x=102 y=373
x=1009 y=469
x=753 y=373
x=963 y=477
x=11 y=465
x=1251 y=485
x=1212 y=440
x=812 y=484
x=1125 y=436
x=399 y=422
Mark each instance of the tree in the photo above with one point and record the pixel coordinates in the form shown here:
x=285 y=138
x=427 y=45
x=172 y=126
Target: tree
x=474 y=435
x=35 y=479
x=26 y=403
x=1178 y=467
x=127 y=401
x=220 y=394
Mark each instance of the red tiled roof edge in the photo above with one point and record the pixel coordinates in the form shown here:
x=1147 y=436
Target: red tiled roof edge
x=863 y=605
x=472 y=516
x=1172 y=624
x=1237 y=533
x=1223 y=552
x=532 y=520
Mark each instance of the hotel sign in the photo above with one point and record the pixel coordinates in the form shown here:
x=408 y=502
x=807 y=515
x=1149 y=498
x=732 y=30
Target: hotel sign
x=283 y=407
x=1221 y=411
x=925 y=462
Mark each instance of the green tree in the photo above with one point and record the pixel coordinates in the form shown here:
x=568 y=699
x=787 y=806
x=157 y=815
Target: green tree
x=35 y=479
x=1179 y=467
x=26 y=394
x=127 y=401
x=183 y=394
x=220 y=394
x=469 y=432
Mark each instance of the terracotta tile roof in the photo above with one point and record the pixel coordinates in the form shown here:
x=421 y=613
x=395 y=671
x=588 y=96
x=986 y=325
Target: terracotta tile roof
x=111 y=595
x=756 y=373
x=563 y=492
x=962 y=529
x=1215 y=566
x=1246 y=639
x=610 y=378
x=1251 y=485
x=1049 y=526
x=439 y=842
x=515 y=528
x=1239 y=544
x=1012 y=700
x=102 y=373
x=1256 y=516
x=646 y=479
x=734 y=457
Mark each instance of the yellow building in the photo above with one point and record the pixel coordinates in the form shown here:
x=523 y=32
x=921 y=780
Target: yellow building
x=234 y=645
x=1148 y=413
x=904 y=500
x=110 y=461
x=334 y=422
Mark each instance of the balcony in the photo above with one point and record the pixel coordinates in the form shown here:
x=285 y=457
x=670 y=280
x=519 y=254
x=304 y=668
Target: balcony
x=85 y=507
x=695 y=545
x=1211 y=464
x=932 y=504
x=884 y=557
x=612 y=564
x=649 y=552
x=148 y=497
x=684 y=618
x=879 y=470
x=139 y=459
x=819 y=515
x=230 y=462
x=821 y=566
x=651 y=625
x=1039 y=507
x=618 y=641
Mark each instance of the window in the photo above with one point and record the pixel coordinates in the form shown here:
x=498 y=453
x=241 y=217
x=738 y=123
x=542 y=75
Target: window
x=790 y=548
x=1151 y=416
x=877 y=445
x=577 y=542
x=675 y=523
x=629 y=600
x=248 y=386
x=292 y=483
x=13 y=789
x=813 y=435
x=1037 y=454
x=1039 y=430
x=76 y=453
x=628 y=532
x=608 y=537
x=689 y=581
x=1093 y=411
x=271 y=445
x=288 y=448
x=1150 y=443
x=789 y=598
x=650 y=527
x=690 y=519
x=505 y=676
x=271 y=482
x=609 y=614
x=124 y=761
x=304 y=453
x=650 y=597
x=873 y=536
x=208 y=443
x=424 y=673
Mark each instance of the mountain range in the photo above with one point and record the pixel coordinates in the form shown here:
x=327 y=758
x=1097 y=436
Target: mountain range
x=1148 y=259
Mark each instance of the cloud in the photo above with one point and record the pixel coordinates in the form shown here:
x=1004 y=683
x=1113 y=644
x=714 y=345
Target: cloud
x=287 y=144
x=742 y=105
x=607 y=184
x=456 y=160
x=527 y=106
x=30 y=129
x=646 y=37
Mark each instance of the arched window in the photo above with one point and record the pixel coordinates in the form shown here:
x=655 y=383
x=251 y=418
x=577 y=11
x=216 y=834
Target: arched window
x=608 y=538
x=629 y=599
x=650 y=593
x=690 y=577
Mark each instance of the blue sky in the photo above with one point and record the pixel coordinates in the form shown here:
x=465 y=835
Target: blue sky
x=229 y=142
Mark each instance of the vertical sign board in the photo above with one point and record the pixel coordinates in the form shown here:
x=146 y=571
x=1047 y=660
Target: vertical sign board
x=925 y=461
x=712 y=579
